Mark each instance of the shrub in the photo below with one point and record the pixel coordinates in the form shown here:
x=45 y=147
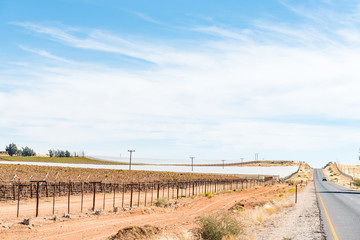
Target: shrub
x=161 y=202
x=291 y=190
x=209 y=195
x=270 y=211
x=328 y=164
x=215 y=227
x=357 y=182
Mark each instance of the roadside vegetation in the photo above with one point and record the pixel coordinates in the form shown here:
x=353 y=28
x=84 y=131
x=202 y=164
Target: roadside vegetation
x=219 y=226
x=161 y=202
x=333 y=175
x=357 y=182
x=303 y=176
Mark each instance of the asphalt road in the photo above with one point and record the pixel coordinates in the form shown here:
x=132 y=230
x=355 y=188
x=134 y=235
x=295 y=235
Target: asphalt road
x=343 y=209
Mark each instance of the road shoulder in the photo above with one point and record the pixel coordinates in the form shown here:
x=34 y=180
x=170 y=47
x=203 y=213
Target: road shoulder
x=301 y=222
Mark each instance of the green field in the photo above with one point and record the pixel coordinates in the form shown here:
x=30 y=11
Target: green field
x=76 y=160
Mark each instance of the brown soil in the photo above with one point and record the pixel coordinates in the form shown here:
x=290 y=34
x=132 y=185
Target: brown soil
x=171 y=220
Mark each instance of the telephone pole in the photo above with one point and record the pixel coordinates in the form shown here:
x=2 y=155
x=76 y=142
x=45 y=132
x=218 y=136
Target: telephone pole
x=192 y=163
x=130 y=151
x=223 y=163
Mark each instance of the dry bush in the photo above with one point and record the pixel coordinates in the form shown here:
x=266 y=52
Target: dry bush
x=270 y=210
x=161 y=202
x=130 y=233
x=185 y=235
x=216 y=227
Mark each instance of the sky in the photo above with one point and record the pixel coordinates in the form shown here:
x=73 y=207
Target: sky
x=216 y=80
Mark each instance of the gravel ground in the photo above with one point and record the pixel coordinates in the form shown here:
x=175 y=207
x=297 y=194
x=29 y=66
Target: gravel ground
x=301 y=222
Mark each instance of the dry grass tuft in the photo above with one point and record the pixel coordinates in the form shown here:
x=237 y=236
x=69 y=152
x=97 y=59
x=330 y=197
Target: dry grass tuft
x=129 y=233
x=218 y=227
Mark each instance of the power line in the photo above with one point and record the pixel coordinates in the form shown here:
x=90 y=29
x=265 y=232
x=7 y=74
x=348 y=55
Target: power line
x=192 y=163
x=130 y=151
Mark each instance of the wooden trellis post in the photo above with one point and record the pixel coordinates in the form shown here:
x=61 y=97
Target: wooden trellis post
x=37 y=194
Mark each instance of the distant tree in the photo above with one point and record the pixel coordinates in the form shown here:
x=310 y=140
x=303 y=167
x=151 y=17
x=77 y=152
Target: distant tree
x=27 y=152
x=51 y=152
x=67 y=153
x=11 y=149
x=59 y=153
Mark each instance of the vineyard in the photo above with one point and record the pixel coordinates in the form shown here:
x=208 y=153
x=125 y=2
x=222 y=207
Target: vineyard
x=32 y=188
x=65 y=174
x=129 y=194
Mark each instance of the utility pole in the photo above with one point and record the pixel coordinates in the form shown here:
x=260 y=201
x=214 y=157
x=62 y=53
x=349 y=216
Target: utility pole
x=241 y=160
x=256 y=156
x=130 y=151
x=223 y=163
x=192 y=163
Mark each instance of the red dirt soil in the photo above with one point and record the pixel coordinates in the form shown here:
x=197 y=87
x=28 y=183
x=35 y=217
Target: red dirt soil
x=89 y=226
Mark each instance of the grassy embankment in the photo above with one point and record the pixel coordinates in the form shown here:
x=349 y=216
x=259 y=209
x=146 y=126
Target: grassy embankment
x=333 y=175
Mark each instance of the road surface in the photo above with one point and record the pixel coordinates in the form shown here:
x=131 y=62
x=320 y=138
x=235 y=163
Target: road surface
x=340 y=209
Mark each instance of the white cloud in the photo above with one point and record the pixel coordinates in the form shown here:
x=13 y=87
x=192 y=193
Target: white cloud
x=222 y=93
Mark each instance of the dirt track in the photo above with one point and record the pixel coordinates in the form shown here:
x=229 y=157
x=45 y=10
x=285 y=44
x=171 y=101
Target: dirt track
x=101 y=227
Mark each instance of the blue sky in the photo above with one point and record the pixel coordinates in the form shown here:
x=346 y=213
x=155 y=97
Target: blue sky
x=172 y=79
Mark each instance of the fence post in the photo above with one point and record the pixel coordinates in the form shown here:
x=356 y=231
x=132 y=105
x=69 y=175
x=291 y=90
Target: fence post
x=82 y=196
x=37 y=199
x=37 y=195
x=104 y=190
x=168 y=192
x=189 y=187
x=14 y=191
x=69 y=196
x=94 y=193
x=158 y=191
x=152 y=193
x=145 y=192
x=131 y=195
x=113 y=188
x=123 y=193
x=18 y=203
x=54 y=193
x=139 y=195
x=46 y=189
x=177 y=191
